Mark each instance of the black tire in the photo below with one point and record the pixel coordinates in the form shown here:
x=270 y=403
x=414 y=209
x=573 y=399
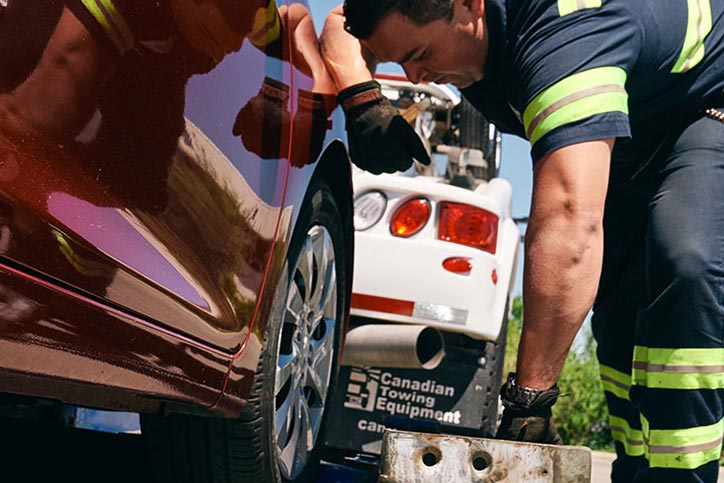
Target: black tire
x=494 y=361
x=205 y=450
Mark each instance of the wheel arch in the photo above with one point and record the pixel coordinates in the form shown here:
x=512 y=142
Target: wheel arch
x=335 y=168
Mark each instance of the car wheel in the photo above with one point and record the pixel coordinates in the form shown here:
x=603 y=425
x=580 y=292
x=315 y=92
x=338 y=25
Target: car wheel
x=494 y=361
x=279 y=436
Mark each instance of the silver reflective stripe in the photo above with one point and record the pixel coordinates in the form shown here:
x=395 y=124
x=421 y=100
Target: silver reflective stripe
x=698 y=26
x=678 y=369
x=119 y=23
x=569 y=99
x=685 y=449
x=112 y=22
x=622 y=431
x=616 y=383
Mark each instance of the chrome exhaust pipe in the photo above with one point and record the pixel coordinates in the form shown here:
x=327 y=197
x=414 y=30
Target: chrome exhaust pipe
x=399 y=346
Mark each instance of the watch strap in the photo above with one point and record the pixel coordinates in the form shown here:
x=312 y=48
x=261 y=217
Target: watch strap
x=521 y=398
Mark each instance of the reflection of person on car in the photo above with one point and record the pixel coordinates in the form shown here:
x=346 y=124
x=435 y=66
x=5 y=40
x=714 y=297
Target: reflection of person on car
x=264 y=122
x=147 y=50
x=103 y=103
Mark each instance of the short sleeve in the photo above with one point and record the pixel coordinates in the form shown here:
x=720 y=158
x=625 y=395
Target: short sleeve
x=573 y=64
x=105 y=21
x=123 y=24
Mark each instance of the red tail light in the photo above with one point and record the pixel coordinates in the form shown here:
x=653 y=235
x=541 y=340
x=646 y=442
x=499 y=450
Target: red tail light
x=468 y=225
x=457 y=265
x=410 y=218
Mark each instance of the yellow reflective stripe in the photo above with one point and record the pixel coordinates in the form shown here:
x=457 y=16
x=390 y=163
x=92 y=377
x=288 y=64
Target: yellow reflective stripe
x=631 y=439
x=120 y=23
x=100 y=17
x=698 y=27
x=267 y=25
x=111 y=21
x=615 y=382
x=84 y=267
x=678 y=368
x=569 y=6
x=689 y=357
x=574 y=98
x=686 y=448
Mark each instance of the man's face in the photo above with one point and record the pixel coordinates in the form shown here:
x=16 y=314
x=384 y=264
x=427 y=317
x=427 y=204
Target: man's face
x=441 y=51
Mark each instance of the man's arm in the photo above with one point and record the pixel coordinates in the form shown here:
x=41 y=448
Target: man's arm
x=564 y=251
x=380 y=140
x=59 y=96
x=347 y=60
x=307 y=55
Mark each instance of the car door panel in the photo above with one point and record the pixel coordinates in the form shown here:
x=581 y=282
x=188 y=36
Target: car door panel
x=158 y=205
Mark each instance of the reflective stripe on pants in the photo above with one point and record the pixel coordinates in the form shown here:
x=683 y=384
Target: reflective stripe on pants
x=658 y=315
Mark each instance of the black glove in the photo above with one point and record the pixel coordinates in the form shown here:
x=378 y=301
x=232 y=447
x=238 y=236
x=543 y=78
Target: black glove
x=527 y=415
x=264 y=122
x=380 y=140
x=309 y=126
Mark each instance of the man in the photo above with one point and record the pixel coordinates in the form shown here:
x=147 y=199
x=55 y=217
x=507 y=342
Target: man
x=620 y=102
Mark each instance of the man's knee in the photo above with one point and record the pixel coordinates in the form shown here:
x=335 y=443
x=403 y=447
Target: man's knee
x=689 y=262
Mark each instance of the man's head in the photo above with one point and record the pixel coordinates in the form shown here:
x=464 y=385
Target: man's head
x=442 y=41
x=363 y=16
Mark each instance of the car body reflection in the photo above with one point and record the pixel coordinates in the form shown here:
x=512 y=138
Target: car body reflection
x=151 y=175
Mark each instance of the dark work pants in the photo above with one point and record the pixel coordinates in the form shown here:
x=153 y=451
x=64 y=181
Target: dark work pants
x=659 y=312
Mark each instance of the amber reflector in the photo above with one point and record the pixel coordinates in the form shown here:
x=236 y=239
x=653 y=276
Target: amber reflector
x=468 y=225
x=410 y=217
x=457 y=265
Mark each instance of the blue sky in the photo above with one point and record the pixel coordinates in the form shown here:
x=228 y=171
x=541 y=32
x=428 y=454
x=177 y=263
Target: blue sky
x=515 y=161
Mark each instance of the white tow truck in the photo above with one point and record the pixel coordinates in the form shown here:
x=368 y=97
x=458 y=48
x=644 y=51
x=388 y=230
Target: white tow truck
x=435 y=261
x=437 y=246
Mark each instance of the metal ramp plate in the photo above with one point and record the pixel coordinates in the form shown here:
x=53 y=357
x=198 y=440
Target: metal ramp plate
x=433 y=458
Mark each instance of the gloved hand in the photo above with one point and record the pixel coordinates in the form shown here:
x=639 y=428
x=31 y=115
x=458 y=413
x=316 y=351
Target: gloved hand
x=309 y=126
x=380 y=140
x=264 y=122
x=527 y=415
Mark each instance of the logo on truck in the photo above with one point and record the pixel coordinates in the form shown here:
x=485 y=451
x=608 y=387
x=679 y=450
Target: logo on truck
x=373 y=390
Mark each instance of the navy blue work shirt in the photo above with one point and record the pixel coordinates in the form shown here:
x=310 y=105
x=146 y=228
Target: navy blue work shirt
x=560 y=72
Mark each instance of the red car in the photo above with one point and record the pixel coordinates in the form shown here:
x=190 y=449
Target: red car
x=175 y=226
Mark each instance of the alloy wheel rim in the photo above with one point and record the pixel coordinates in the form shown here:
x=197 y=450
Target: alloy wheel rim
x=306 y=352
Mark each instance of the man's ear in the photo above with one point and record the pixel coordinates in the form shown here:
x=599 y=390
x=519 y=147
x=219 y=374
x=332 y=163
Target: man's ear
x=475 y=7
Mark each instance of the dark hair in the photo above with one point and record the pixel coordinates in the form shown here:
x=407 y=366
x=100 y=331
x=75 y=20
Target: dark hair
x=363 y=16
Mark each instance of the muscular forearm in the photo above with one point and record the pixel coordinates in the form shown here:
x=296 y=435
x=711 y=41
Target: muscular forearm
x=306 y=54
x=562 y=272
x=347 y=61
x=564 y=251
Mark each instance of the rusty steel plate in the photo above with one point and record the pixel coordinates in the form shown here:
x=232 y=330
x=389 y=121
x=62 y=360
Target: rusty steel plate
x=433 y=458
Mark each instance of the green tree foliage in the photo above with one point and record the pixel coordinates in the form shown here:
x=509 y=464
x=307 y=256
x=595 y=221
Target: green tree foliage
x=515 y=324
x=581 y=413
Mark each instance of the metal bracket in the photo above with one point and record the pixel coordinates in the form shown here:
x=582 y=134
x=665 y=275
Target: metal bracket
x=422 y=458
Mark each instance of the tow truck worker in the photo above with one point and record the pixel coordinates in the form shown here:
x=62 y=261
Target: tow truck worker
x=621 y=102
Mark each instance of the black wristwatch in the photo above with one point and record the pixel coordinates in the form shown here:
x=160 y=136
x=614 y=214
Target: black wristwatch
x=521 y=398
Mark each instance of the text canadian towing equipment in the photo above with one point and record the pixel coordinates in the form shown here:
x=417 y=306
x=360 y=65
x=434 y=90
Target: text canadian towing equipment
x=435 y=257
